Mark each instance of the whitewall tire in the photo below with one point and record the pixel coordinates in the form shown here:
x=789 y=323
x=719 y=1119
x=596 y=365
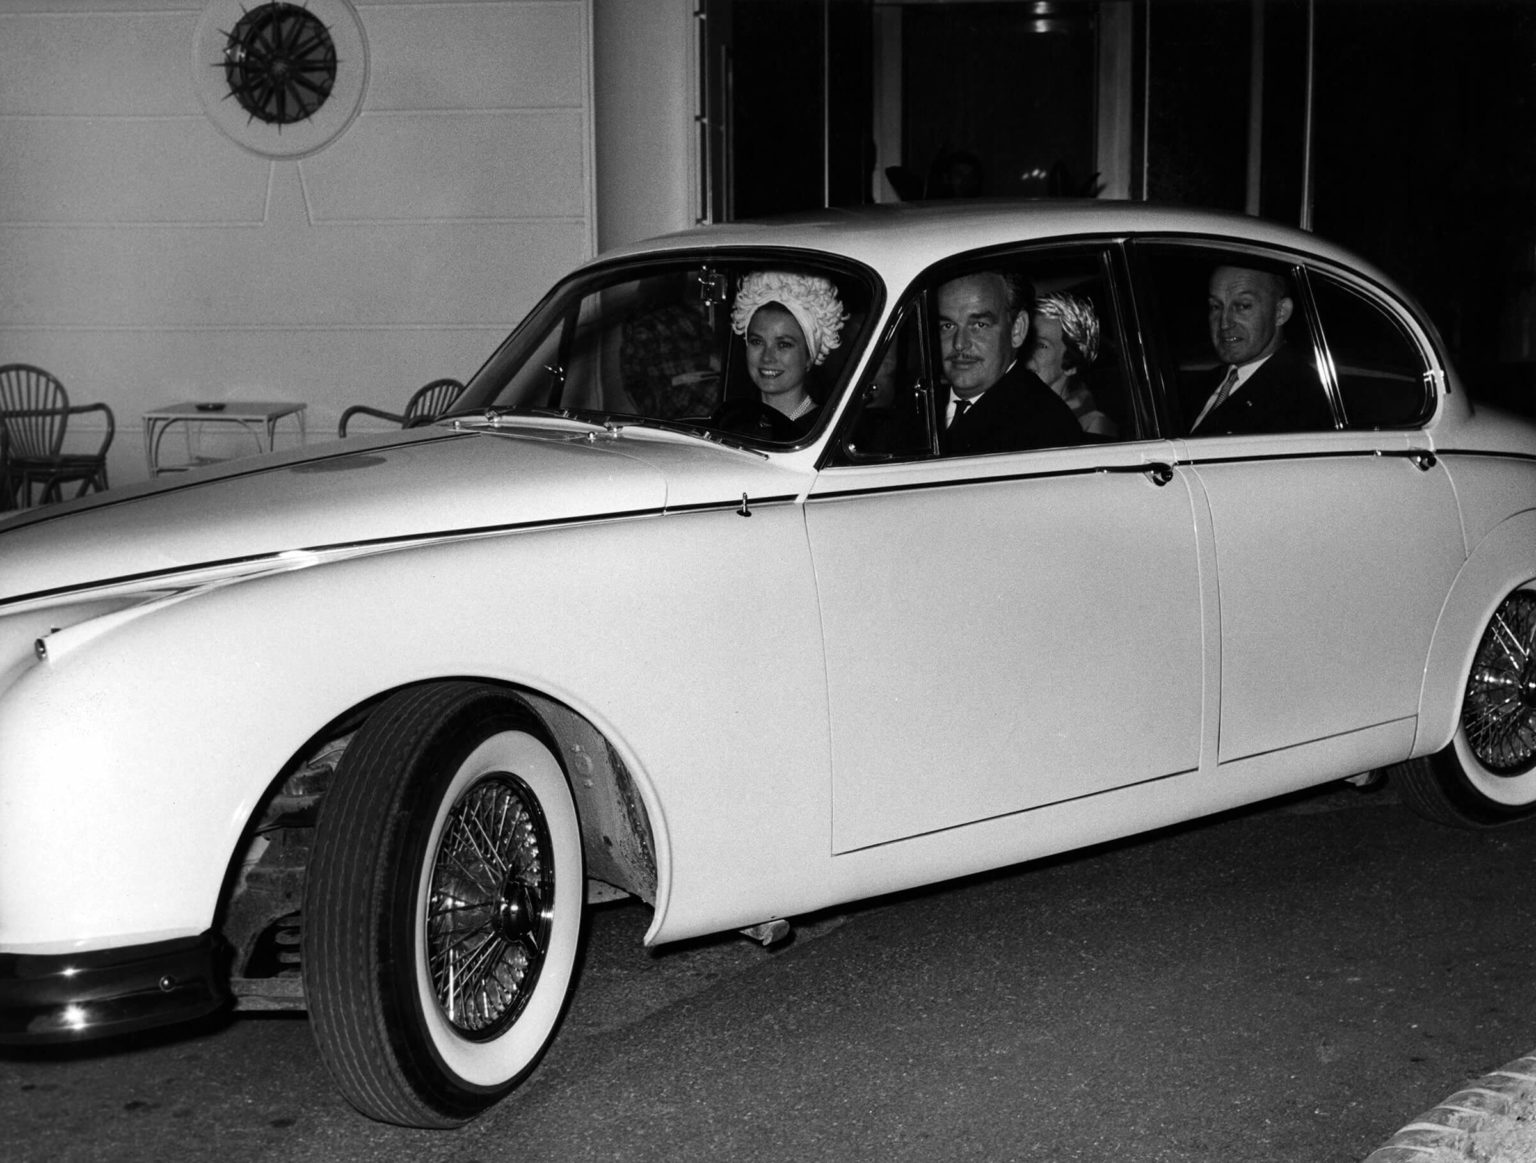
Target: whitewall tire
x=444 y=905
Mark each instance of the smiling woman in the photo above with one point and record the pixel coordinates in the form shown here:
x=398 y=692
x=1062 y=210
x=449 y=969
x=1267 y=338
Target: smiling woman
x=790 y=323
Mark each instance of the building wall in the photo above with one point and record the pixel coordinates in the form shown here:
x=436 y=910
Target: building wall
x=647 y=148
x=148 y=258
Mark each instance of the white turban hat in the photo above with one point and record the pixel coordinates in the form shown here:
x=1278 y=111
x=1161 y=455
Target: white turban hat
x=811 y=299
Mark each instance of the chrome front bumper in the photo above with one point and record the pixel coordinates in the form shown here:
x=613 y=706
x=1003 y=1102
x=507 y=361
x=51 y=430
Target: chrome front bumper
x=75 y=996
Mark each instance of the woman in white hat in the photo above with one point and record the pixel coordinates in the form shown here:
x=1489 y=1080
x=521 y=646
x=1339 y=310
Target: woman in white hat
x=789 y=323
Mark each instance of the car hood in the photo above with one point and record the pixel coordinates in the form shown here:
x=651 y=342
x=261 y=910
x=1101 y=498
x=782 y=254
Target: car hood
x=412 y=486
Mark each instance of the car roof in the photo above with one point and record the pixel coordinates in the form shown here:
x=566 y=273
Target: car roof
x=912 y=235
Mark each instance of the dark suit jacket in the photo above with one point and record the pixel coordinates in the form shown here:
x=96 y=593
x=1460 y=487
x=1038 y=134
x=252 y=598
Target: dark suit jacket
x=1284 y=395
x=1016 y=413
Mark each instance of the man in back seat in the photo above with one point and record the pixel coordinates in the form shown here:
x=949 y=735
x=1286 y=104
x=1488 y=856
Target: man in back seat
x=1263 y=383
x=994 y=403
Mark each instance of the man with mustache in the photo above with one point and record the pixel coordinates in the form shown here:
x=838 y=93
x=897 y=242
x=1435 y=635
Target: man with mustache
x=994 y=403
x=1263 y=384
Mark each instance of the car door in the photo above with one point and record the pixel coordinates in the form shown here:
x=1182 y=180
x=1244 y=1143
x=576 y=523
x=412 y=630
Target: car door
x=1336 y=539
x=1010 y=630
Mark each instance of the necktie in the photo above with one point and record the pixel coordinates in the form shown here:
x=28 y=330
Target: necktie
x=961 y=407
x=1220 y=397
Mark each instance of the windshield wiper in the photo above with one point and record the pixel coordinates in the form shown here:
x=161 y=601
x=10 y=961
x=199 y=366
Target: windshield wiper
x=613 y=423
x=695 y=428
x=494 y=417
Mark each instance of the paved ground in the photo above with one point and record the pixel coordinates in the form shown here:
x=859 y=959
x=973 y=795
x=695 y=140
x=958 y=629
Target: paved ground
x=1289 y=984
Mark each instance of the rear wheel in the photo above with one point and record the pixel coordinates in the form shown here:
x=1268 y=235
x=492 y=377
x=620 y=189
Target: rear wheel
x=443 y=906
x=1487 y=775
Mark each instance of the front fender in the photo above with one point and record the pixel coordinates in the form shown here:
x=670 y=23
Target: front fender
x=131 y=759
x=1502 y=561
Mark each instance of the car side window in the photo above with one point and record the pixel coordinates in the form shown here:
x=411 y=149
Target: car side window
x=1381 y=373
x=889 y=420
x=1075 y=345
x=1006 y=354
x=1233 y=343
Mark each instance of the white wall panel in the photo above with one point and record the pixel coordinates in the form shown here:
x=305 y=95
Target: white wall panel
x=522 y=164
x=96 y=61
x=441 y=273
x=477 y=56
x=645 y=100
x=126 y=170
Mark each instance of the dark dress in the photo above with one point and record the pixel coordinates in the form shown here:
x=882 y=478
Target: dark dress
x=750 y=417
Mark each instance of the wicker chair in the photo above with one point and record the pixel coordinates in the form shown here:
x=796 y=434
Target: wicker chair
x=424 y=406
x=35 y=411
x=7 y=496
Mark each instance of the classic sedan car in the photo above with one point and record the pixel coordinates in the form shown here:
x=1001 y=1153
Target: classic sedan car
x=692 y=597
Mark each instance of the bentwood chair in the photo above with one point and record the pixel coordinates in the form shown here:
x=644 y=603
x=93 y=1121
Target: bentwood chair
x=7 y=497
x=35 y=412
x=424 y=406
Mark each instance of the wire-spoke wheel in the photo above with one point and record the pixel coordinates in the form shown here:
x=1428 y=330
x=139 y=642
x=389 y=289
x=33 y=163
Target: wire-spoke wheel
x=1487 y=775
x=1498 y=715
x=490 y=906
x=443 y=906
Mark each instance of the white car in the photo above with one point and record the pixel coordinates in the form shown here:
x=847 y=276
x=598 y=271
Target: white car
x=364 y=728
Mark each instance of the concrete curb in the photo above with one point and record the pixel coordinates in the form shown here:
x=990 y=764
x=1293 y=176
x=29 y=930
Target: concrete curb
x=1451 y=1125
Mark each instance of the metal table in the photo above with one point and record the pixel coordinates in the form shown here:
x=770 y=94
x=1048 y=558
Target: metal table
x=258 y=417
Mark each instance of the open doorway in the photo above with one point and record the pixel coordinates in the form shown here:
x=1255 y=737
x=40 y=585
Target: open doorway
x=811 y=103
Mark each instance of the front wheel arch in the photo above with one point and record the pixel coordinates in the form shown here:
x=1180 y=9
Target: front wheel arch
x=617 y=816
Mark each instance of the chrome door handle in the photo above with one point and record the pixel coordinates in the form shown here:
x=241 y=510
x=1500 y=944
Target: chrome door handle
x=1159 y=474
x=1423 y=458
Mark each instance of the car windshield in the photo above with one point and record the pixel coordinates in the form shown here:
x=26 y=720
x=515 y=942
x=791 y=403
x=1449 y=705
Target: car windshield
x=725 y=345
